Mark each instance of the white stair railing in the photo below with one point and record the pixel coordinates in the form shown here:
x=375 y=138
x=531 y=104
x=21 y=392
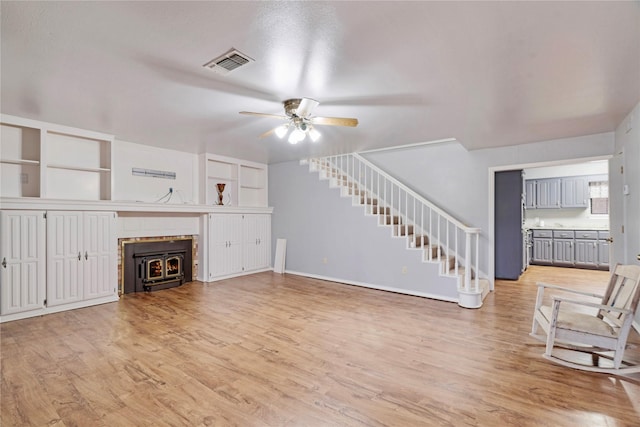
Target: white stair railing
x=442 y=236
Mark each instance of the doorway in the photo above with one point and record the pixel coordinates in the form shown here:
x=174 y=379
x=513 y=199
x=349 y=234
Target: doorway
x=575 y=218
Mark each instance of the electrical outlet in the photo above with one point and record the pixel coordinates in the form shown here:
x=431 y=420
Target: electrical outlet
x=404 y=269
x=325 y=260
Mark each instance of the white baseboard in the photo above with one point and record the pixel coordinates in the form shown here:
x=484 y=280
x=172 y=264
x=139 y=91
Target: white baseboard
x=58 y=308
x=372 y=286
x=231 y=276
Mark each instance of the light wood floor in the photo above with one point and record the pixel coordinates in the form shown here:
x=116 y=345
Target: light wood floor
x=272 y=350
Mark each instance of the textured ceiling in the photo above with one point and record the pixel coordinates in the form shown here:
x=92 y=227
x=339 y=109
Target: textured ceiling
x=488 y=74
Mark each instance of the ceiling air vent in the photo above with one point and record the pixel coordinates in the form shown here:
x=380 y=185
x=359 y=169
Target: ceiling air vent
x=228 y=62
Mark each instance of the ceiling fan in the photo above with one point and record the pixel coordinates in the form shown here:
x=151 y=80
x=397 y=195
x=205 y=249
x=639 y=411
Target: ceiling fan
x=300 y=121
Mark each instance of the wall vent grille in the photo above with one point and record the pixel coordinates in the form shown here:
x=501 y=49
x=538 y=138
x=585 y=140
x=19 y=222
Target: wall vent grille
x=228 y=62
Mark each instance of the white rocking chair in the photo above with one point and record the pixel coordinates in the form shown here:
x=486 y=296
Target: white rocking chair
x=569 y=327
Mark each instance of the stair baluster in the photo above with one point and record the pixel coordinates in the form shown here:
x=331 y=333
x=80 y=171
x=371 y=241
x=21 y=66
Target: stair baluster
x=405 y=211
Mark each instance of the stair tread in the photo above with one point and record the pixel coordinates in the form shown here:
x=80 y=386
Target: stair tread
x=432 y=252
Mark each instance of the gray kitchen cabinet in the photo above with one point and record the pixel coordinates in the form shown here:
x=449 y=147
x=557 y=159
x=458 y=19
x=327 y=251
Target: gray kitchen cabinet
x=603 y=250
x=530 y=194
x=569 y=248
x=558 y=193
x=586 y=248
x=542 y=247
x=548 y=193
x=563 y=252
x=575 y=192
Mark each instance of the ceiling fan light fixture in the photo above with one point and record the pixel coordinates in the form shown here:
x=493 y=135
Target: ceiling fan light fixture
x=314 y=135
x=281 y=131
x=296 y=136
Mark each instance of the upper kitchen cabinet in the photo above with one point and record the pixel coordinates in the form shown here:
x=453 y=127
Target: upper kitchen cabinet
x=46 y=160
x=530 y=194
x=575 y=192
x=233 y=182
x=548 y=193
x=562 y=192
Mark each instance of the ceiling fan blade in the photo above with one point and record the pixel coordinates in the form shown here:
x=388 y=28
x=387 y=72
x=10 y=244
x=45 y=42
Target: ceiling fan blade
x=306 y=107
x=334 y=121
x=274 y=116
x=269 y=132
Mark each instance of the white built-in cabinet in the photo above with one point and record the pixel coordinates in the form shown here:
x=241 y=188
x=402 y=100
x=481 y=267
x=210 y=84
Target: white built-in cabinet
x=238 y=244
x=245 y=183
x=49 y=161
x=257 y=241
x=81 y=256
x=56 y=260
x=22 y=250
x=225 y=243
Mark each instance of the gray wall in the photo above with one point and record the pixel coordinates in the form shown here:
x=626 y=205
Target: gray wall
x=316 y=221
x=319 y=224
x=457 y=180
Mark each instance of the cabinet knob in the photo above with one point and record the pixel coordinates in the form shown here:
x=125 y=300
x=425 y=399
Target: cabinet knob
x=609 y=239
x=86 y=255
x=79 y=256
x=4 y=262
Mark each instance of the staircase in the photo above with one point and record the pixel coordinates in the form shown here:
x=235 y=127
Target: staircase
x=425 y=227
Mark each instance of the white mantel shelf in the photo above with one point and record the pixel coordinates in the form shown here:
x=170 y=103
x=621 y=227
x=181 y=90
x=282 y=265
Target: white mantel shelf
x=122 y=206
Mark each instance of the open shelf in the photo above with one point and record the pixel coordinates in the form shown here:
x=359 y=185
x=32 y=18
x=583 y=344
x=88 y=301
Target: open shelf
x=20 y=161
x=52 y=161
x=245 y=182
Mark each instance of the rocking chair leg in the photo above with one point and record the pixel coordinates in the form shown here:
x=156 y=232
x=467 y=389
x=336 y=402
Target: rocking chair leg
x=551 y=335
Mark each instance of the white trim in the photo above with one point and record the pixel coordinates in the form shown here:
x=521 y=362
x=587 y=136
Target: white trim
x=372 y=286
x=243 y=273
x=58 y=308
x=121 y=206
x=416 y=144
x=54 y=128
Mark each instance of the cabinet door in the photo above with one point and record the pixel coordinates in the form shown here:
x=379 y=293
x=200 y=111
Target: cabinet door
x=225 y=244
x=99 y=256
x=530 y=194
x=234 y=229
x=575 y=192
x=603 y=253
x=264 y=241
x=257 y=241
x=586 y=253
x=250 y=237
x=542 y=251
x=217 y=246
x=64 y=257
x=22 y=250
x=563 y=251
x=548 y=193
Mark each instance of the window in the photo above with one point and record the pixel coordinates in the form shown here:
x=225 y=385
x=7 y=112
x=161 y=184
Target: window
x=599 y=196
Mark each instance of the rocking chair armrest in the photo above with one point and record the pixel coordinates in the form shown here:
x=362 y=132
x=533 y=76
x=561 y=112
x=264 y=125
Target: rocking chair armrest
x=558 y=300
x=573 y=291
